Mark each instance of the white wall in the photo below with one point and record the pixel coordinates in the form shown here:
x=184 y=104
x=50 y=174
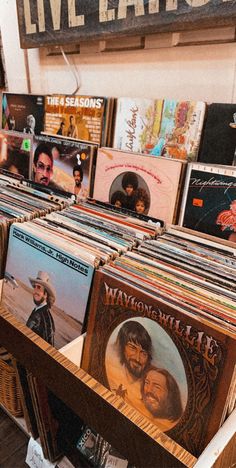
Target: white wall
x=13 y=55
x=192 y=72
x=203 y=72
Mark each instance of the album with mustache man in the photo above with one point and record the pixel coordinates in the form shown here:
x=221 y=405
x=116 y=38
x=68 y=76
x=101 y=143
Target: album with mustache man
x=175 y=368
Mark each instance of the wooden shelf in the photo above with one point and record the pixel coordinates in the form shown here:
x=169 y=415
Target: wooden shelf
x=142 y=443
x=145 y=42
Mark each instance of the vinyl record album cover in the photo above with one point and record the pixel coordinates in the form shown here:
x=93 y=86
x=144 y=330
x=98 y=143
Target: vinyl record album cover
x=218 y=142
x=47 y=288
x=209 y=201
x=180 y=131
x=138 y=182
x=15 y=152
x=63 y=163
x=23 y=112
x=174 y=368
x=167 y=127
x=137 y=124
x=78 y=117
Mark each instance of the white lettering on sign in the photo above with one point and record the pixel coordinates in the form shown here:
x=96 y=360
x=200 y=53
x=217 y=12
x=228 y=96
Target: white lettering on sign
x=55 y=11
x=153 y=6
x=104 y=13
x=56 y=14
x=30 y=27
x=123 y=5
x=171 y=5
x=197 y=3
x=74 y=20
x=41 y=15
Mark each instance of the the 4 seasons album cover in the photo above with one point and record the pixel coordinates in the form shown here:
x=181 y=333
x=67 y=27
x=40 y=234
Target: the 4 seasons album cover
x=86 y=118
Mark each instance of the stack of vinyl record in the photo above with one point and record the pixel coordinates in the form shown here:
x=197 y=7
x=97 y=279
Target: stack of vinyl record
x=48 y=287
x=63 y=249
x=20 y=203
x=161 y=333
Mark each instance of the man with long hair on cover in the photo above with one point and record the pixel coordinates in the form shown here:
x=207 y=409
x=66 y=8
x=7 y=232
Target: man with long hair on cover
x=127 y=360
x=161 y=397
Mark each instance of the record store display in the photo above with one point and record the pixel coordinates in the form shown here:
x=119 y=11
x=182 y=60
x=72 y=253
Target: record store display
x=124 y=255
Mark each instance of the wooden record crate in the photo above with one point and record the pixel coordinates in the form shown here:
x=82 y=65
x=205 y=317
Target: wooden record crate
x=142 y=443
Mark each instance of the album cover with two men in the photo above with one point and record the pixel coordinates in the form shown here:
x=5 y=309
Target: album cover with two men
x=173 y=367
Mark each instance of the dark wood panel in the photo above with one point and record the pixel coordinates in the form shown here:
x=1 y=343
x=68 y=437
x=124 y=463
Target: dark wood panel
x=126 y=429
x=53 y=22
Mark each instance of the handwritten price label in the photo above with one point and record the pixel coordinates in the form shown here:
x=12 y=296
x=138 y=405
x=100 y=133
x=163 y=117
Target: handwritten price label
x=35 y=457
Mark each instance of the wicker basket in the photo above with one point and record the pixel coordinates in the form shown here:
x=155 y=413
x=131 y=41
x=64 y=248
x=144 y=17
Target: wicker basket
x=9 y=386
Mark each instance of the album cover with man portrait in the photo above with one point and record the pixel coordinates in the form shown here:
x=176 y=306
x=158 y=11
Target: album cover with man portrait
x=174 y=368
x=209 y=200
x=23 y=112
x=15 y=152
x=141 y=183
x=63 y=164
x=48 y=287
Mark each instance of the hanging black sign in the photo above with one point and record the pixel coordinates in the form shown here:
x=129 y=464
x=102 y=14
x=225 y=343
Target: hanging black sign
x=54 y=22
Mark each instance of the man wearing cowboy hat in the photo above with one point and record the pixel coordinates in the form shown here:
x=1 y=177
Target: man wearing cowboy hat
x=40 y=319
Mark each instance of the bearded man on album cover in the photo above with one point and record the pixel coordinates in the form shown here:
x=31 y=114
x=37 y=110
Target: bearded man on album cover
x=132 y=354
x=161 y=397
x=40 y=319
